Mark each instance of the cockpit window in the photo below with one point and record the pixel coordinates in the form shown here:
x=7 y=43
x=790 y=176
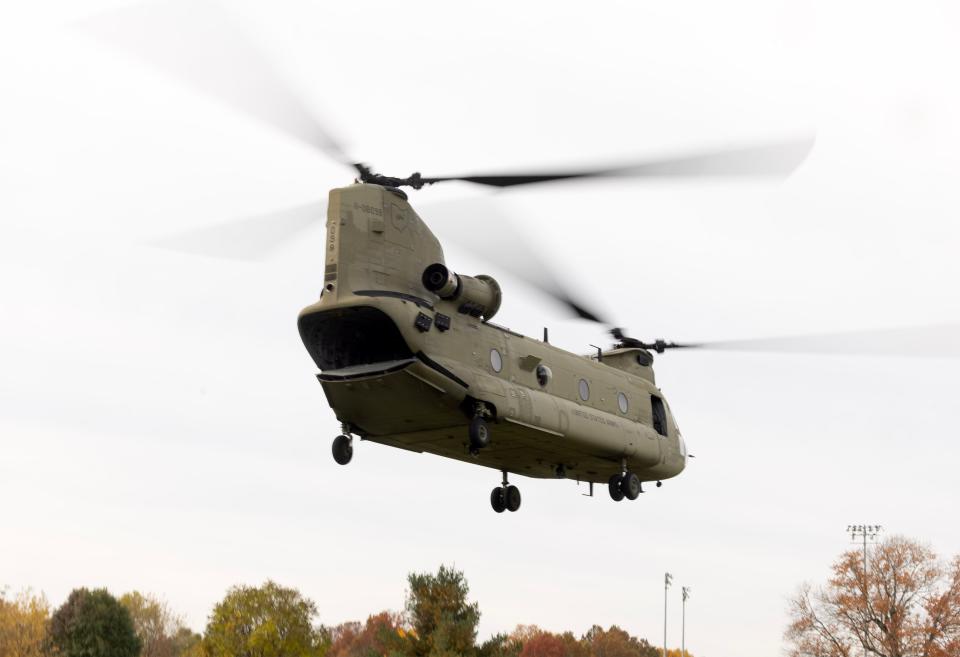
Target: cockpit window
x=659 y=415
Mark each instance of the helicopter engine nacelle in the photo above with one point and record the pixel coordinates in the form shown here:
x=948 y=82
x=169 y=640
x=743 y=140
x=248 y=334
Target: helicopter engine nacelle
x=478 y=296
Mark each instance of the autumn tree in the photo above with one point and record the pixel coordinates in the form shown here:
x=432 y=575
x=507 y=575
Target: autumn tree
x=92 y=624
x=23 y=624
x=442 y=620
x=906 y=603
x=544 y=644
x=161 y=631
x=385 y=633
x=264 y=621
x=616 y=642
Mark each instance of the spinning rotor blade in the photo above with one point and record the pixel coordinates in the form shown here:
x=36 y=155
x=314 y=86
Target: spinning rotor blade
x=199 y=44
x=249 y=238
x=479 y=226
x=941 y=340
x=774 y=159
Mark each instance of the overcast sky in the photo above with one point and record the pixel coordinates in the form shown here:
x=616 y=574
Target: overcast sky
x=160 y=424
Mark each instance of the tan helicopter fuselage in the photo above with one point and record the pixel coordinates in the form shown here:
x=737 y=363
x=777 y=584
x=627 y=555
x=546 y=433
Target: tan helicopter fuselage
x=404 y=367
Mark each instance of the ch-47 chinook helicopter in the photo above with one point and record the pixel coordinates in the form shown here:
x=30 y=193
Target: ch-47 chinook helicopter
x=407 y=352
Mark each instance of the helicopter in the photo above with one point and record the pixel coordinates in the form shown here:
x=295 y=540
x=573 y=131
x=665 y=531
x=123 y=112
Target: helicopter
x=409 y=358
x=407 y=352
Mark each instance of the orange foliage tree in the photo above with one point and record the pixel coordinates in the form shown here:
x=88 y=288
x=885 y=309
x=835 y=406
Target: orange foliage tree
x=906 y=604
x=531 y=641
x=383 y=634
x=544 y=644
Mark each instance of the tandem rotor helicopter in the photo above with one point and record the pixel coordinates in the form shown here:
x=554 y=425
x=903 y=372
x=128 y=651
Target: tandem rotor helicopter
x=405 y=347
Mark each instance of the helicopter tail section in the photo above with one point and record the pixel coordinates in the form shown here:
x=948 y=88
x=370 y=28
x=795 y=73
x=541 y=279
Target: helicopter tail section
x=375 y=242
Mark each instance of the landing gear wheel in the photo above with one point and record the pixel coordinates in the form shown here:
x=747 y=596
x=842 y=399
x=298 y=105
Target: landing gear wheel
x=498 y=499
x=630 y=485
x=512 y=496
x=615 y=491
x=342 y=449
x=479 y=433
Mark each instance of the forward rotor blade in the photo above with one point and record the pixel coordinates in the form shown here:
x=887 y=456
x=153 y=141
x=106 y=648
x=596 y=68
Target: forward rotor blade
x=248 y=238
x=942 y=340
x=480 y=226
x=774 y=159
x=199 y=44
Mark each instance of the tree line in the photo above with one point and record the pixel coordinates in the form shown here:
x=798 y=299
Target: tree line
x=902 y=601
x=438 y=620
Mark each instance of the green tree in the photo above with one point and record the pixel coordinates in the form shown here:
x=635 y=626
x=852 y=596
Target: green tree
x=161 y=631
x=23 y=624
x=186 y=642
x=500 y=645
x=442 y=620
x=265 y=621
x=93 y=624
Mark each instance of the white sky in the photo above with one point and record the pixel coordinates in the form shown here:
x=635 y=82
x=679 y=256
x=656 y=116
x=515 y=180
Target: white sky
x=160 y=426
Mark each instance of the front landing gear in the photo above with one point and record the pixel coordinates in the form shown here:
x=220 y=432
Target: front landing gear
x=626 y=484
x=505 y=497
x=616 y=492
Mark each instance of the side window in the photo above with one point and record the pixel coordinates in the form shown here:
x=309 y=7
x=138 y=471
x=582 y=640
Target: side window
x=496 y=361
x=659 y=415
x=584 y=390
x=623 y=403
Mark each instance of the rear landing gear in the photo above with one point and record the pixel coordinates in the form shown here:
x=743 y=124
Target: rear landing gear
x=505 y=497
x=479 y=434
x=342 y=449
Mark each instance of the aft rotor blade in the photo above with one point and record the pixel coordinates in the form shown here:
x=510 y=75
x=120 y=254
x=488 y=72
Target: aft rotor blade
x=480 y=226
x=773 y=159
x=199 y=44
x=941 y=340
x=248 y=238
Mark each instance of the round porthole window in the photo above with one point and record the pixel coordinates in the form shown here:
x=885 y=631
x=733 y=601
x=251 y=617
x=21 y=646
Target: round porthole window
x=622 y=402
x=584 y=390
x=543 y=375
x=496 y=361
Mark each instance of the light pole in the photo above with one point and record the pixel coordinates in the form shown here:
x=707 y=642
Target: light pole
x=667 y=579
x=865 y=533
x=685 y=593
